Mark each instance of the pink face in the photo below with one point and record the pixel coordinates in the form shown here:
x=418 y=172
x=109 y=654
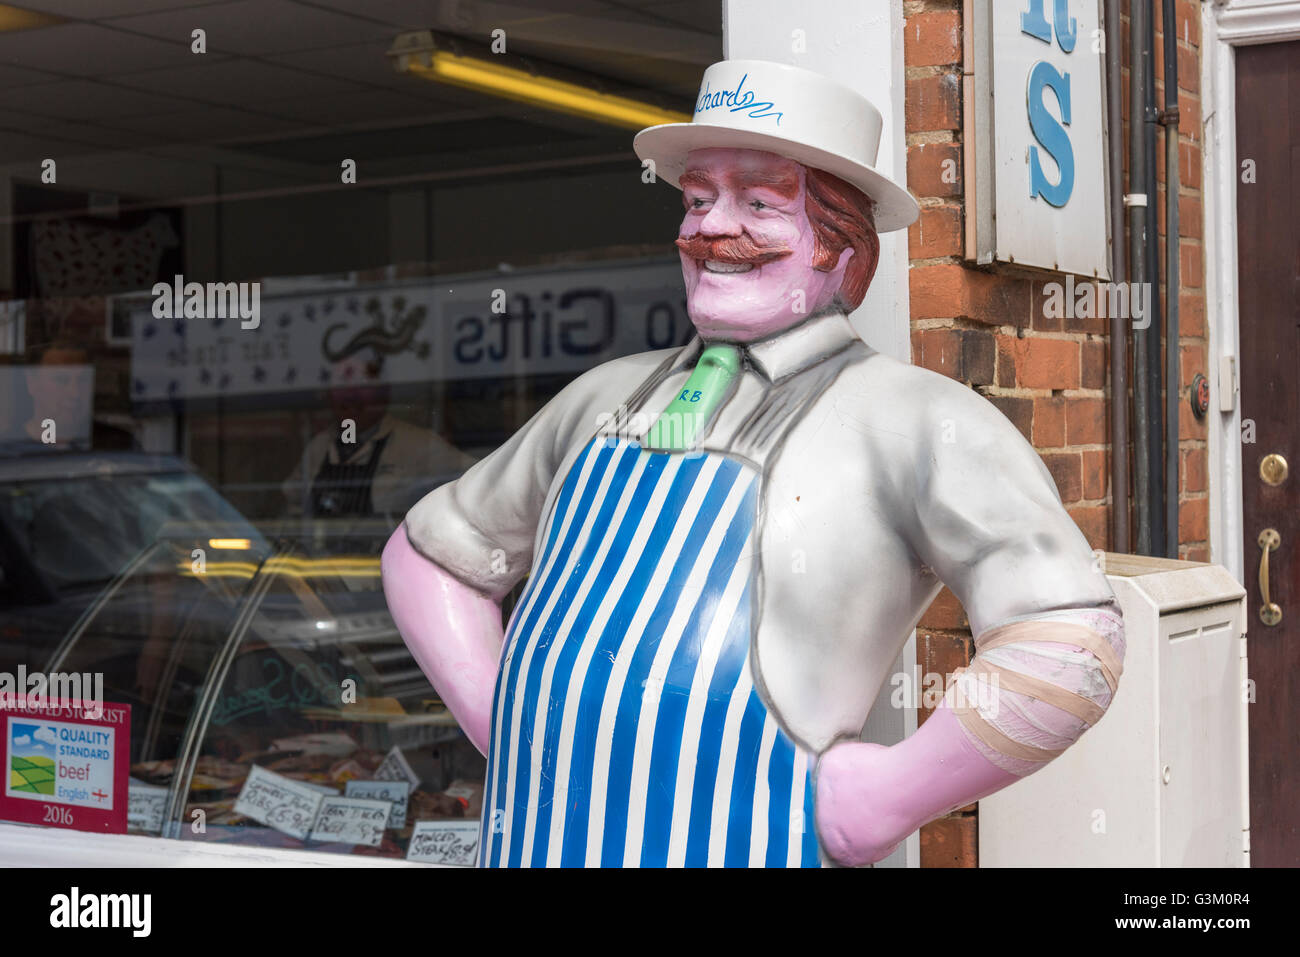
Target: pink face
x=747 y=246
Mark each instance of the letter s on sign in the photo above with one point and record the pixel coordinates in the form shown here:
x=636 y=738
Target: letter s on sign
x=1051 y=134
x=603 y=326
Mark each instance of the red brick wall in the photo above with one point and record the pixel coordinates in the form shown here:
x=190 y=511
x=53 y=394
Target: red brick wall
x=985 y=326
x=1194 y=496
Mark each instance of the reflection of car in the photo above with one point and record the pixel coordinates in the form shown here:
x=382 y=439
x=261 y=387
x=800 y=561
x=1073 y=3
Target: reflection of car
x=72 y=522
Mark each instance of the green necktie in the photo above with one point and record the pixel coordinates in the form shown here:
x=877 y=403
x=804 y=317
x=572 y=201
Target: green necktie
x=690 y=410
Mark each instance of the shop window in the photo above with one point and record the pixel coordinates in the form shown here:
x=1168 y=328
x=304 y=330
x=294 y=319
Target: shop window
x=317 y=697
x=245 y=325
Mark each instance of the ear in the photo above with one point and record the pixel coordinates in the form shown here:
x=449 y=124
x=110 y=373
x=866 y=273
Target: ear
x=841 y=267
x=874 y=253
x=859 y=273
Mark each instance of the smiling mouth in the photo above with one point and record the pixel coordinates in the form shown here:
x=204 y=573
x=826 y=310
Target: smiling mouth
x=713 y=265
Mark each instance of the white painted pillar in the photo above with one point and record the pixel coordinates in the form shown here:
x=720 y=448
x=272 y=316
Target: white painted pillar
x=860 y=44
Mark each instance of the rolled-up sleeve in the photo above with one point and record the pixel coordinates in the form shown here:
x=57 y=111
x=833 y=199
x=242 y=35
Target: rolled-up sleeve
x=481 y=527
x=989 y=520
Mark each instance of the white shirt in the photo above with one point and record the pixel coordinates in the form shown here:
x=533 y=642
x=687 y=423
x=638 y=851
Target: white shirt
x=894 y=481
x=413 y=459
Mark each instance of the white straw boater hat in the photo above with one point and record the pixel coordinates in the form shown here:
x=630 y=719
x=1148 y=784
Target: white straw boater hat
x=795 y=113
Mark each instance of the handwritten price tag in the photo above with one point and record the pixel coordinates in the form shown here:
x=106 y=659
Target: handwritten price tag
x=395 y=767
x=147 y=802
x=344 y=820
x=278 y=802
x=445 y=842
x=397 y=792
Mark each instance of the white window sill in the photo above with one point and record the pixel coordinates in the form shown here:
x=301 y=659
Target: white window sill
x=24 y=845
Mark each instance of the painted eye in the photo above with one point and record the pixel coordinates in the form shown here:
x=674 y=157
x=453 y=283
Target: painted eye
x=759 y=204
x=697 y=203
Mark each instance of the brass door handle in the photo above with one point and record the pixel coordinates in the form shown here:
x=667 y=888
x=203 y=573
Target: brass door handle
x=1269 y=613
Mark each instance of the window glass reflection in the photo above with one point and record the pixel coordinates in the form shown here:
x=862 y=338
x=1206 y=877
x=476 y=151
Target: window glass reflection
x=256 y=303
x=321 y=691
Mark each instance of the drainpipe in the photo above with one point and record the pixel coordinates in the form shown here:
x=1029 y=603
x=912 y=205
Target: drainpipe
x=1154 y=410
x=1119 y=532
x=1137 y=214
x=1173 y=378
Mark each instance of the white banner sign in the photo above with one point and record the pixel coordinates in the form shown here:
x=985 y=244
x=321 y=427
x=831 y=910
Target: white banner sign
x=511 y=324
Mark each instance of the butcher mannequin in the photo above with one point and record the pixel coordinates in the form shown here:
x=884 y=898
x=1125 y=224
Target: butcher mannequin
x=727 y=545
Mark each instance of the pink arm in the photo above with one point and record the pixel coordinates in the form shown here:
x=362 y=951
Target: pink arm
x=869 y=796
x=453 y=632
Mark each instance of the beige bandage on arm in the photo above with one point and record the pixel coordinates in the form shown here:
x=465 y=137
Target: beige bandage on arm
x=1036 y=685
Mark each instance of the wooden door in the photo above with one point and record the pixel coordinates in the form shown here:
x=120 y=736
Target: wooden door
x=1268 y=246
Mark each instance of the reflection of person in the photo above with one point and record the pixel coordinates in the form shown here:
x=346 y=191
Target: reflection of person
x=60 y=382
x=716 y=598
x=379 y=465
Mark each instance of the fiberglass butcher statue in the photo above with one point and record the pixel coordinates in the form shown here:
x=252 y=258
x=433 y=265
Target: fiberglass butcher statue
x=728 y=544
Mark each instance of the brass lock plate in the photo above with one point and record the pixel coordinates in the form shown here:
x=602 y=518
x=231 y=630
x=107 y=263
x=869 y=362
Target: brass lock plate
x=1273 y=469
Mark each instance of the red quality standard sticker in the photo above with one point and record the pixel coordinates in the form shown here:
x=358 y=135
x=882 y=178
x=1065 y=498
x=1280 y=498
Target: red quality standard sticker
x=65 y=765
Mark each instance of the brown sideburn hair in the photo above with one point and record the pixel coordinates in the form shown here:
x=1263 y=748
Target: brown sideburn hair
x=842 y=218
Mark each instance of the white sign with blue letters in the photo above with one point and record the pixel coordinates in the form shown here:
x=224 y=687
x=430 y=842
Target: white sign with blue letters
x=1046 y=61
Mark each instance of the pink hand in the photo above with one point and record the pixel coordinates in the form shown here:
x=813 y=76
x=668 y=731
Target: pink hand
x=454 y=633
x=870 y=797
x=856 y=820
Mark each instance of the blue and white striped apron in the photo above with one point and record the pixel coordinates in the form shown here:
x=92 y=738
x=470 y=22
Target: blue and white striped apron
x=626 y=726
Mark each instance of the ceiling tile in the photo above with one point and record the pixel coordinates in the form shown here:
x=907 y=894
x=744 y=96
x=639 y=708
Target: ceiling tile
x=84 y=99
x=625 y=11
x=91 y=138
x=363 y=63
x=258 y=27
x=580 y=7
x=403 y=14
x=21 y=147
x=103 y=9
x=209 y=124
x=240 y=83
x=21 y=76
x=702 y=15
x=83 y=49
x=351 y=109
x=23 y=122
